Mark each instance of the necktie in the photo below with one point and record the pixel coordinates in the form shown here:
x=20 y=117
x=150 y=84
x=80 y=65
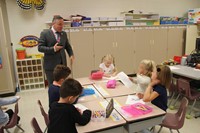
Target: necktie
x=58 y=36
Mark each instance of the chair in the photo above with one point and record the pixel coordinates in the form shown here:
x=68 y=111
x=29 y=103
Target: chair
x=173 y=91
x=13 y=121
x=44 y=114
x=190 y=93
x=35 y=126
x=175 y=121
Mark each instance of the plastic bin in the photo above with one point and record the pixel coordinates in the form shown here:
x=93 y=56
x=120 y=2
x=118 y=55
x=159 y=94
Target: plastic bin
x=177 y=59
x=21 y=53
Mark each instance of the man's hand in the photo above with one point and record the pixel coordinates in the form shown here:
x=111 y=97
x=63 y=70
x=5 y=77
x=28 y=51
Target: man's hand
x=71 y=58
x=57 y=48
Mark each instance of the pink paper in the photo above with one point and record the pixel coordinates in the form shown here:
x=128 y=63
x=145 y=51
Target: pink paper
x=137 y=109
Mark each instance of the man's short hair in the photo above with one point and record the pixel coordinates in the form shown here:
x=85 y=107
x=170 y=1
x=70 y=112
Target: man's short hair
x=56 y=17
x=70 y=87
x=61 y=72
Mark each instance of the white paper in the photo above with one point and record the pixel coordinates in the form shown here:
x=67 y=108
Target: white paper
x=111 y=78
x=81 y=107
x=196 y=69
x=125 y=79
x=132 y=99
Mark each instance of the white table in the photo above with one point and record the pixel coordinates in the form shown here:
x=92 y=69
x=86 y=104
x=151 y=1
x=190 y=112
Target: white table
x=135 y=124
x=119 y=90
x=186 y=71
x=85 y=81
x=88 y=98
x=109 y=125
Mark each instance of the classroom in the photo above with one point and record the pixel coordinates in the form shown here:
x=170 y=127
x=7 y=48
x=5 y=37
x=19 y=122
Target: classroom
x=88 y=66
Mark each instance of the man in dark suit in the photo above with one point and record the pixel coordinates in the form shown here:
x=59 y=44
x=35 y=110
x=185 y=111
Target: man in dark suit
x=53 y=42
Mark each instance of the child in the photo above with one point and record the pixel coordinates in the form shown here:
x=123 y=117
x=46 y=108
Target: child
x=107 y=66
x=6 y=116
x=143 y=79
x=60 y=73
x=62 y=114
x=156 y=91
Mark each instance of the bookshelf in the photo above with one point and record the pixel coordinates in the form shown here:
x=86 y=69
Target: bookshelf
x=138 y=19
x=106 y=22
x=30 y=73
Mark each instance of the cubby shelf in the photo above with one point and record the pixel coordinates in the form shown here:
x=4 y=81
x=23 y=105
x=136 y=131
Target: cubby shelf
x=30 y=73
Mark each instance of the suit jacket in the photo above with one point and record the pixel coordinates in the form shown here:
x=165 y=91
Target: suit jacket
x=46 y=44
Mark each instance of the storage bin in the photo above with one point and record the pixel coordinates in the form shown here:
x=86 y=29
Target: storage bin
x=21 y=53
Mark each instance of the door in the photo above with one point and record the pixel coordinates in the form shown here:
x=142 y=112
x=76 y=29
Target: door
x=8 y=83
x=82 y=44
x=124 y=54
x=176 y=41
x=159 y=44
x=103 y=44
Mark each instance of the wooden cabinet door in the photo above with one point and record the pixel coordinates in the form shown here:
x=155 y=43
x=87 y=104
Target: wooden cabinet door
x=103 y=44
x=82 y=44
x=176 y=41
x=191 y=35
x=142 y=45
x=124 y=54
x=159 y=44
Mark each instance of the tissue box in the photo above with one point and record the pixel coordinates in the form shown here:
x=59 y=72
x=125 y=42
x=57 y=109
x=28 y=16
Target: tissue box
x=111 y=84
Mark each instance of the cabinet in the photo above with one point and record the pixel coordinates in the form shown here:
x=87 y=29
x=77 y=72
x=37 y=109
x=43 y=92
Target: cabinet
x=176 y=41
x=151 y=43
x=104 y=43
x=191 y=35
x=142 y=45
x=159 y=44
x=129 y=46
x=30 y=74
x=117 y=41
x=82 y=44
x=125 y=51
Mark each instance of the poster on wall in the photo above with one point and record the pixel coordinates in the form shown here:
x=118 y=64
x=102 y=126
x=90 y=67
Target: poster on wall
x=29 y=41
x=194 y=16
x=27 y=4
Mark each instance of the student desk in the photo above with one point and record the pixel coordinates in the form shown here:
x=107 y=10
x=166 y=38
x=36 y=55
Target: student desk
x=85 y=81
x=186 y=71
x=135 y=124
x=120 y=90
x=109 y=125
x=88 y=98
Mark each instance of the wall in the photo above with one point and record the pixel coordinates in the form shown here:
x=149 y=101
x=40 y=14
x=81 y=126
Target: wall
x=33 y=21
